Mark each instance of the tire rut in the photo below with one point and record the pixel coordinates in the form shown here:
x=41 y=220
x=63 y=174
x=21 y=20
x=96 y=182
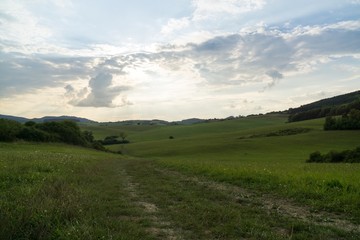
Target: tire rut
x=270 y=203
x=160 y=228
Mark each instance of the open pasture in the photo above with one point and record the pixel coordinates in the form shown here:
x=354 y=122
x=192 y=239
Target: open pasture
x=242 y=178
x=262 y=155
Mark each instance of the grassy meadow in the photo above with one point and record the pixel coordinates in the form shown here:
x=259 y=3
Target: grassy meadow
x=239 y=152
x=237 y=179
x=57 y=191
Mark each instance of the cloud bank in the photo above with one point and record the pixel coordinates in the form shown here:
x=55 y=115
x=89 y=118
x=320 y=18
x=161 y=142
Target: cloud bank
x=195 y=57
x=257 y=57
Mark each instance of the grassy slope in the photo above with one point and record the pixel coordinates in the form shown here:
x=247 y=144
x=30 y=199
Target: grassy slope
x=222 y=151
x=55 y=191
x=151 y=133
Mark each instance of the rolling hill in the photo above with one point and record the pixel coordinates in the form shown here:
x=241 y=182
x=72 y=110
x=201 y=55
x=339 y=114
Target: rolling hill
x=48 y=119
x=231 y=179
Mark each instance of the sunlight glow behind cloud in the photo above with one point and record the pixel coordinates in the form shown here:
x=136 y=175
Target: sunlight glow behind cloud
x=203 y=58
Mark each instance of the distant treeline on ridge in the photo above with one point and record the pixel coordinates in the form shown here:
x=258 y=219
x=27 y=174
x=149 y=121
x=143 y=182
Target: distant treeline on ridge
x=335 y=106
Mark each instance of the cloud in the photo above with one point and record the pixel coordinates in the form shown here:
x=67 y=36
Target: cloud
x=102 y=93
x=206 y=9
x=251 y=57
x=175 y=25
x=72 y=94
x=24 y=73
x=275 y=78
x=20 y=29
x=218 y=44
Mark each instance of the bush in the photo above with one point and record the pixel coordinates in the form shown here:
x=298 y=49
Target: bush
x=98 y=146
x=315 y=157
x=347 y=156
x=36 y=135
x=9 y=130
x=111 y=140
x=64 y=131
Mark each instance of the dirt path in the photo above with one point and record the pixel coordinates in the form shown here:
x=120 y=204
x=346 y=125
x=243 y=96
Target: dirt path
x=159 y=227
x=270 y=203
x=175 y=205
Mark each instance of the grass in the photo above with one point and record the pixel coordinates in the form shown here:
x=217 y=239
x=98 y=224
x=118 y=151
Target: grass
x=248 y=157
x=54 y=191
x=202 y=210
x=152 y=133
x=222 y=180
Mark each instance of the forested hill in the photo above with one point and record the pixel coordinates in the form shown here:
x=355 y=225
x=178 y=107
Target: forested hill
x=337 y=105
x=47 y=119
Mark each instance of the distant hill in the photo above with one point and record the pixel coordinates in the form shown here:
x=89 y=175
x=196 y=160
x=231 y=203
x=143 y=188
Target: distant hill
x=190 y=121
x=48 y=119
x=137 y=122
x=328 y=102
x=18 y=119
x=61 y=118
x=337 y=105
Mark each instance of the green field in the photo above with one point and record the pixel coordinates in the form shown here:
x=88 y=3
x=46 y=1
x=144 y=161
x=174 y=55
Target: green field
x=236 y=179
x=239 y=152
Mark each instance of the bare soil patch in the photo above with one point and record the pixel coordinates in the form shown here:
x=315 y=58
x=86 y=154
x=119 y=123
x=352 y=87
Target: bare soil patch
x=159 y=227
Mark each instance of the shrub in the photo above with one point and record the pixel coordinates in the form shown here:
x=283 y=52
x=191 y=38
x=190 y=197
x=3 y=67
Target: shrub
x=111 y=140
x=315 y=157
x=9 y=130
x=36 y=135
x=98 y=146
x=347 y=156
x=64 y=131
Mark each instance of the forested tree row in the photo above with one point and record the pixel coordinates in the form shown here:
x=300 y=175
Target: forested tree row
x=328 y=102
x=350 y=121
x=323 y=112
x=63 y=131
x=347 y=156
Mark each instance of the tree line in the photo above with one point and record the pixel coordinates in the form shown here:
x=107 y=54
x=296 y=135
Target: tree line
x=347 y=156
x=350 y=121
x=62 y=131
x=323 y=111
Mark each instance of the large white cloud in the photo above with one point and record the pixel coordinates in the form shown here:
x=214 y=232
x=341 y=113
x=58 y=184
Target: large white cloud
x=102 y=93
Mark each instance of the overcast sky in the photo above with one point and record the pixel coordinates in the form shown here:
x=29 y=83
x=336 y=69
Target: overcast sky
x=114 y=60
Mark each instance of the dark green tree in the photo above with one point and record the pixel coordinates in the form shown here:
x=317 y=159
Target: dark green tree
x=9 y=129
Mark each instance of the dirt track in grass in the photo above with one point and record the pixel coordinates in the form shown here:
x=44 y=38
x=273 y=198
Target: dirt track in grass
x=181 y=206
x=272 y=203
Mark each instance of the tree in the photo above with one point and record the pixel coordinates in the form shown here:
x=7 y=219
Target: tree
x=330 y=123
x=9 y=129
x=350 y=121
x=64 y=131
x=30 y=124
x=88 y=136
x=34 y=134
x=123 y=136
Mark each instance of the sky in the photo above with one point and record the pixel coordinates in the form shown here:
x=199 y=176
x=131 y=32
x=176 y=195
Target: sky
x=113 y=60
